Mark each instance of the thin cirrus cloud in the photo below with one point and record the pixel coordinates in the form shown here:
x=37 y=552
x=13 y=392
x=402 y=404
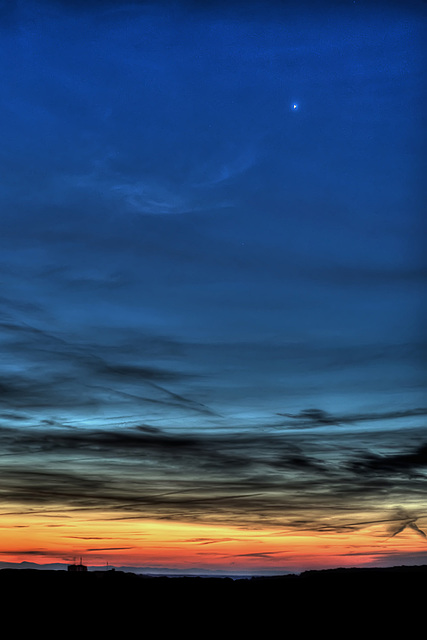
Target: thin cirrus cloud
x=147 y=200
x=309 y=418
x=215 y=478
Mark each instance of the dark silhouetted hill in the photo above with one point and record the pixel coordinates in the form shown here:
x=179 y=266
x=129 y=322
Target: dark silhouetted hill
x=334 y=601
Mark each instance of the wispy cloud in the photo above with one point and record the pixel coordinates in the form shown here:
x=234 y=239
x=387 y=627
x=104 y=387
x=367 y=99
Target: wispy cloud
x=405 y=521
x=84 y=376
x=411 y=460
x=149 y=200
x=240 y=478
x=309 y=418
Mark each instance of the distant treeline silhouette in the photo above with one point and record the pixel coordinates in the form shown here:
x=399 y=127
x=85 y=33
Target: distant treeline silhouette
x=378 y=600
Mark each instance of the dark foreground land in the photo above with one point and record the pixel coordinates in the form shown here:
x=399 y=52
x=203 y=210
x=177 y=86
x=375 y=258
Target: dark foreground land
x=338 y=602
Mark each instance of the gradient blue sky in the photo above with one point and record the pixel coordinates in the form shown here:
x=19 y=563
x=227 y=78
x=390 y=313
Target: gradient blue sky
x=202 y=285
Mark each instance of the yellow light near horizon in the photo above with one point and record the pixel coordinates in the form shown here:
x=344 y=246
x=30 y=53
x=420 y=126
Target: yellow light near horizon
x=49 y=536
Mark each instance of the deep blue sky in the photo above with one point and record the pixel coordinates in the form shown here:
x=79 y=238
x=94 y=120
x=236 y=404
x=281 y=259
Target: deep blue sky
x=184 y=252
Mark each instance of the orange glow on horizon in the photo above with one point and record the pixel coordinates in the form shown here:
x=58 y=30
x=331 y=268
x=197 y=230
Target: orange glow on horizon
x=61 y=538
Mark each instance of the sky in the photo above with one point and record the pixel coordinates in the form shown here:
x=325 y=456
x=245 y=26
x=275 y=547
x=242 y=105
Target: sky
x=213 y=284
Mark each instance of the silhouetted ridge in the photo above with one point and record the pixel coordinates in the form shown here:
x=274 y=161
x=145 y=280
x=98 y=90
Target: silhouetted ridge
x=310 y=601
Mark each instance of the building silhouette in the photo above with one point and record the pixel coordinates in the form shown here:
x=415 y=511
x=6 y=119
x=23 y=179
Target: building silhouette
x=77 y=567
